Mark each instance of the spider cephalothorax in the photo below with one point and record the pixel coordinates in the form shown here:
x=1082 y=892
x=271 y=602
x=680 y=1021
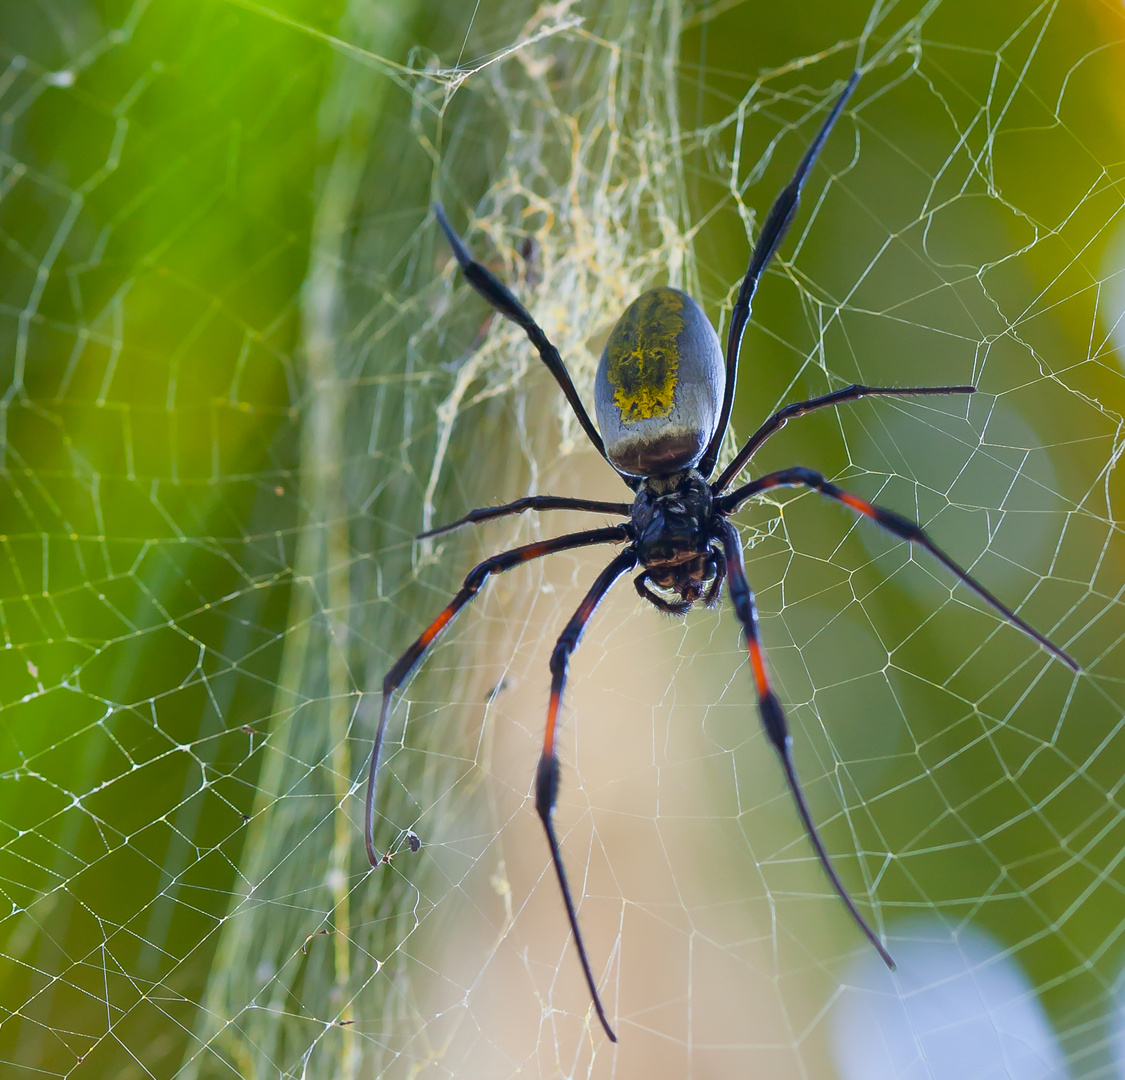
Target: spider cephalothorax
x=663 y=397
x=673 y=529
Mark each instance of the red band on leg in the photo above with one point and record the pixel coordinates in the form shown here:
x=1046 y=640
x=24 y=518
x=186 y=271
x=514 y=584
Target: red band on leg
x=857 y=504
x=758 y=663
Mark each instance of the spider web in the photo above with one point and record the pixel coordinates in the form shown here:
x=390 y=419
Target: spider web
x=241 y=374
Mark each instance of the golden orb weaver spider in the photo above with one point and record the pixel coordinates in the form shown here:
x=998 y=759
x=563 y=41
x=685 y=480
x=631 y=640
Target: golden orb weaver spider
x=663 y=396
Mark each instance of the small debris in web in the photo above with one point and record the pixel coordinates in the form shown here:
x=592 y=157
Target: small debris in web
x=305 y=943
x=413 y=841
x=496 y=691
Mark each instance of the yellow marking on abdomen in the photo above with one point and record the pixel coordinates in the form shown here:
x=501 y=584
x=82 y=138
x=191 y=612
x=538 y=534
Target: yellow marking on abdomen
x=643 y=356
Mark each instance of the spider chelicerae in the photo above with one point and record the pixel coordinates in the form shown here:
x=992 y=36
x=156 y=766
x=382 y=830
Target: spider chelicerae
x=663 y=395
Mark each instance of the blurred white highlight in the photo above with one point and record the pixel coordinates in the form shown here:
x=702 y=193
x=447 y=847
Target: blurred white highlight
x=1111 y=304
x=959 y=1008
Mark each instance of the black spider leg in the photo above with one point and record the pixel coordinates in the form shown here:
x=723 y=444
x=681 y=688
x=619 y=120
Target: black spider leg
x=775 y=724
x=896 y=525
x=475 y=578
x=547 y=774
x=838 y=397
x=712 y=593
x=777 y=224
x=502 y=299
x=532 y=502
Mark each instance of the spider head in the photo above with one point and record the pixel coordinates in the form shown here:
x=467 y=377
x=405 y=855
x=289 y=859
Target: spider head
x=696 y=578
x=671 y=519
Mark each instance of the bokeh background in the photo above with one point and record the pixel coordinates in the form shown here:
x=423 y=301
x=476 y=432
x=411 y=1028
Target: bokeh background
x=239 y=375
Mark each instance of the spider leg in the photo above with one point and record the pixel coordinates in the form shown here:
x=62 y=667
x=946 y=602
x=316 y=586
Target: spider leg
x=775 y=724
x=532 y=502
x=667 y=606
x=776 y=225
x=712 y=593
x=896 y=525
x=476 y=577
x=502 y=299
x=838 y=397
x=547 y=774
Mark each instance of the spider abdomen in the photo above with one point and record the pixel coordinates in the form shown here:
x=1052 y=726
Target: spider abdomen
x=659 y=386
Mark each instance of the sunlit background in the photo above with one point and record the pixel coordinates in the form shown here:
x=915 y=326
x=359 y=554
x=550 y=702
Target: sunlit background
x=240 y=374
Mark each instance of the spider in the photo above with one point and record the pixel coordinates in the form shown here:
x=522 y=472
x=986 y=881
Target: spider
x=663 y=394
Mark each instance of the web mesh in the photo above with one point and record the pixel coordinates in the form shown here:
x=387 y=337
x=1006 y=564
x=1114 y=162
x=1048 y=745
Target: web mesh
x=241 y=374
